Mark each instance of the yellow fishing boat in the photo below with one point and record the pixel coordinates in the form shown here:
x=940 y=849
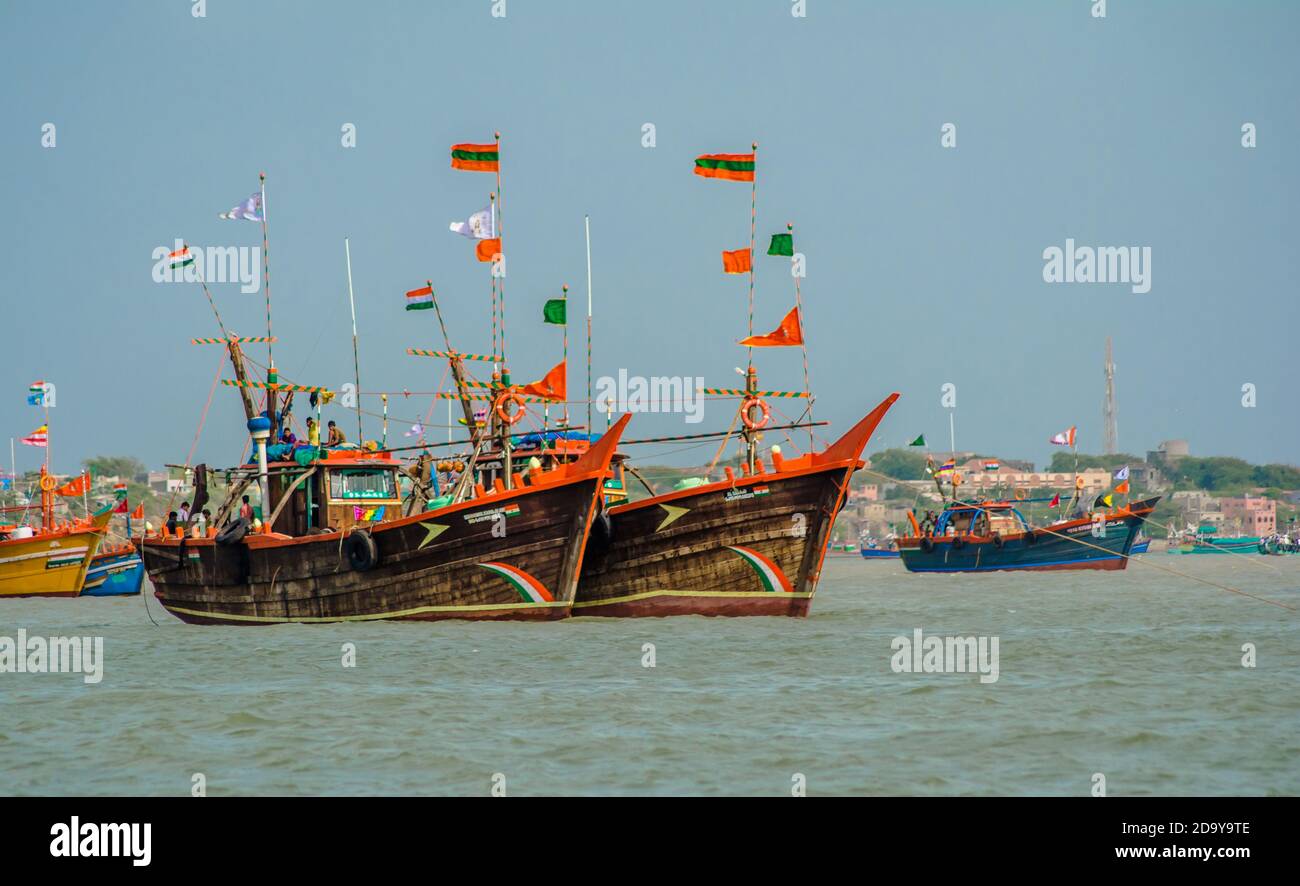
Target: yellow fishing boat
x=49 y=561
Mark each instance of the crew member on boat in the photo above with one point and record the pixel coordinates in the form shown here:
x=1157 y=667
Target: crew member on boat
x=335 y=437
x=313 y=433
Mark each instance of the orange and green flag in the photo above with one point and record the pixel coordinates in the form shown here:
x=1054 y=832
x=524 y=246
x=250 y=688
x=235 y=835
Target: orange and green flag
x=476 y=158
x=736 y=261
x=789 y=333
x=733 y=167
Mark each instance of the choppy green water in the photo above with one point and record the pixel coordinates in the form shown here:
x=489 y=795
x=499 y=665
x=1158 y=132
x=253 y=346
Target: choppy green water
x=1136 y=675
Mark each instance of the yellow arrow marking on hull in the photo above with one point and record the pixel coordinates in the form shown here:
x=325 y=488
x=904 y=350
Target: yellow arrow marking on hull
x=435 y=530
x=674 y=513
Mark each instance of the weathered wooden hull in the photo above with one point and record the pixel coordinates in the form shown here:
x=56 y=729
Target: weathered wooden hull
x=751 y=546
x=510 y=555
x=1070 y=545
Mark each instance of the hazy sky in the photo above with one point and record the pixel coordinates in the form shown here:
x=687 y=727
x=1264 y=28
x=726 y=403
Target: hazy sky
x=925 y=263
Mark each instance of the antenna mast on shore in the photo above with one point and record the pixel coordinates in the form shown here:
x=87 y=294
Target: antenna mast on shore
x=1110 y=445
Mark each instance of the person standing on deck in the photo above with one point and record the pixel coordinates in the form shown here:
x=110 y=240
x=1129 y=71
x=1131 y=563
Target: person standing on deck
x=183 y=515
x=246 y=510
x=313 y=433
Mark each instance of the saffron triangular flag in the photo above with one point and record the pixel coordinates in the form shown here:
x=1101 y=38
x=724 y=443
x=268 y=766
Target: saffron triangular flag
x=734 y=167
x=790 y=332
x=737 y=261
x=419 y=299
x=488 y=250
x=1122 y=488
x=919 y=441
x=476 y=158
x=138 y=513
x=553 y=387
x=74 y=487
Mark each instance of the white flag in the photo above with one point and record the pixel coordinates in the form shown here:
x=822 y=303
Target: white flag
x=481 y=226
x=250 y=209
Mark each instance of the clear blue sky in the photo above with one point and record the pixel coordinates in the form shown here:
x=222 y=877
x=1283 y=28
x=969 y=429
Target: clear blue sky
x=924 y=264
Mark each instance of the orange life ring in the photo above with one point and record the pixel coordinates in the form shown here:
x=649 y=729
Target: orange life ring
x=750 y=403
x=508 y=417
x=1078 y=482
x=1020 y=495
x=48 y=483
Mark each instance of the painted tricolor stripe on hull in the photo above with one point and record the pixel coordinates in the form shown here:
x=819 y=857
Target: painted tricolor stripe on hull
x=532 y=590
x=768 y=572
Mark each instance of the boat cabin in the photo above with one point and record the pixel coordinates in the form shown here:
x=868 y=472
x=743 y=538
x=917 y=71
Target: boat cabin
x=984 y=519
x=337 y=490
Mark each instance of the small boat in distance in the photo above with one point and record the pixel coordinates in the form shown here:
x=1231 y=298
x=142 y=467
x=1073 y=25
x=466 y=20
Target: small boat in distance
x=115 y=571
x=988 y=536
x=50 y=560
x=1206 y=541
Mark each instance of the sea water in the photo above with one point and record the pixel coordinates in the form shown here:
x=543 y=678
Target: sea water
x=1155 y=682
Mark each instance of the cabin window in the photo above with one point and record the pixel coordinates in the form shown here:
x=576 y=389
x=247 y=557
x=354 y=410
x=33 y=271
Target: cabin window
x=352 y=484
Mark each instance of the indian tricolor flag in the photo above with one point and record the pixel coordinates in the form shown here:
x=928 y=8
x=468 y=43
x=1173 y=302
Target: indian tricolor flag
x=992 y=465
x=733 y=167
x=181 y=257
x=419 y=299
x=476 y=158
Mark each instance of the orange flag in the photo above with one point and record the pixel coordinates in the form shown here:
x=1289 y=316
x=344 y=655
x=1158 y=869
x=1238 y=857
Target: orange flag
x=74 y=487
x=736 y=261
x=1122 y=488
x=554 y=386
x=138 y=513
x=790 y=332
x=487 y=250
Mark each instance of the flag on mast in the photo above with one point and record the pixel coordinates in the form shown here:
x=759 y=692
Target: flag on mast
x=733 y=167
x=919 y=441
x=1065 y=438
x=420 y=299
x=782 y=244
x=180 y=258
x=488 y=250
x=789 y=333
x=75 y=487
x=39 y=437
x=555 y=312
x=476 y=158
x=554 y=386
x=736 y=261
x=249 y=210
x=480 y=226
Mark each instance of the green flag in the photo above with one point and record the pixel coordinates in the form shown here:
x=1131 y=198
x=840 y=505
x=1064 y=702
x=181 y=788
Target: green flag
x=919 y=441
x=553 y=311
x=782 y=244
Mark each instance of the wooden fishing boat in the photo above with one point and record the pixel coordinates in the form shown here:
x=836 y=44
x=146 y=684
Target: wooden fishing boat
x=50 y=560
x=751 y=544
x=505 y=554
x=115 y=571
x=988 y=536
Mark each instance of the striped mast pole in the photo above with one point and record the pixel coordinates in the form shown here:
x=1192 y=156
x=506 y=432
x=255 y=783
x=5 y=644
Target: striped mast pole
x=492 y=208
x=751 y=376
x=564 y=292
x=273 y=401
x=803 y=343
x=586 y=220
x=356 y=362
x=501 y=289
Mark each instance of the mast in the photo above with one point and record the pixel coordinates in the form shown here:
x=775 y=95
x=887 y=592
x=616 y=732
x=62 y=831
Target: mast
x=586 y=219
x=1111 y=443
x=356 y=363
x=272 y=397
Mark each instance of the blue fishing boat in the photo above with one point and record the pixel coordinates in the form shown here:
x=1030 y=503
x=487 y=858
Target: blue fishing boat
x=987 y=536
x=1140 y=547
x=116 y=572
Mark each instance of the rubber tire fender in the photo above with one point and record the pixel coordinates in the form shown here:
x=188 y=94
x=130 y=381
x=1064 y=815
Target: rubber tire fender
x=233 y=532
x=361 y=551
